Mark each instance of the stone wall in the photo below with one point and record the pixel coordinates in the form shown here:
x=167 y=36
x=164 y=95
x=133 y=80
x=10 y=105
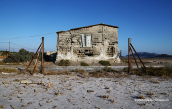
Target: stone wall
x=104 y=44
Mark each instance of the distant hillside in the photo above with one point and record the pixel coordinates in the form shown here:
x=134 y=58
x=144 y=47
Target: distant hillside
x=151 y=55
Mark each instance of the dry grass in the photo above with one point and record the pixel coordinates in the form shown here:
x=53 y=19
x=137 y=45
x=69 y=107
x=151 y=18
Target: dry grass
x=113 y=101
x=2 y=106
x=155 y=81
x=104 y=96
x=16 y=80
x=141 y=97
x=84 y=64
x=7 y=70
x=31 y=71
x=64 y=63
x=4 y=82
x=164 y=93
x=104 y=63
x=154 y=71
x=3 y=63
x=56 y=94
x=151 y=93
x=64 y=73
x=23 y=106
x=78 y=70
x=50 y=72
x=89 y=91
x=105 y=72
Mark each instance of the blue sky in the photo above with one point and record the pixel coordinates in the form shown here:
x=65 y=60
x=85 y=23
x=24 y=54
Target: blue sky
x=147 y=22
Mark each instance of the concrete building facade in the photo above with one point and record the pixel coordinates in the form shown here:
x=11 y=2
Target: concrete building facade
x=89 y=43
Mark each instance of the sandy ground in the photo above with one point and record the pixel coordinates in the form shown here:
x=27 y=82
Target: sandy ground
x=73 y=92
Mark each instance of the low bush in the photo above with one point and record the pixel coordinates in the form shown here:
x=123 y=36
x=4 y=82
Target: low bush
x=109 y=69
x=154 y=71
x=78 y=70
x=7 y=70
x=64 y=73
x=105 y=63
x=106 y=69
x=2 y=63
x=16 y=80
x=21 y=56
x=84 y=64
x=64 y=63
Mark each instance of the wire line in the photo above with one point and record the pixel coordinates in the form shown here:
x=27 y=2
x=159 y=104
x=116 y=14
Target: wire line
x=22 y=46
x=29 y=36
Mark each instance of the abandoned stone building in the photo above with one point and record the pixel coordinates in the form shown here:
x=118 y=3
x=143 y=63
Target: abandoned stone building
x=89 y=43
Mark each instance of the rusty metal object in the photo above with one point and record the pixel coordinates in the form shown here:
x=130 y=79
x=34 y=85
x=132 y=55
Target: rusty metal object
x=42 y=55
x=33 y=57
x=135 y=59
x=37 y=59
x=137 y=55
x=129 y=58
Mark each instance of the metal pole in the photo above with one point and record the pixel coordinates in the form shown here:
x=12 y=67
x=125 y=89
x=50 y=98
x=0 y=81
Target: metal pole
x=137 y=55
x=33 y=57
x=42 y=54
x=37 y=59
x=135 y=59
x=129 y=58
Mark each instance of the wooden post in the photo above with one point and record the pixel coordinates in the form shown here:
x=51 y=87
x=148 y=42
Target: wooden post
x=6 y=56
x=33 y=57
x=129 y=58
x=42 y=54
x=137 y=55
x=134 y=59
x=37 y=59
x=9 y=48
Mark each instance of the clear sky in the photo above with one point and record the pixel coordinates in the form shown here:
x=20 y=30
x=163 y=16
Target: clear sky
x=147 y=22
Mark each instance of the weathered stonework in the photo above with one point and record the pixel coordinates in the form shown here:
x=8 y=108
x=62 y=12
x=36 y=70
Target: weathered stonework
x=94 y=42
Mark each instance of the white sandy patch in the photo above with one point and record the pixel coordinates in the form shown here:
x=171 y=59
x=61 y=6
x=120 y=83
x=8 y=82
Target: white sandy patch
x=70 y=92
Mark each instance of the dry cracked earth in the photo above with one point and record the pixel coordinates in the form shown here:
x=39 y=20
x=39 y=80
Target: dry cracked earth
x=73 y=92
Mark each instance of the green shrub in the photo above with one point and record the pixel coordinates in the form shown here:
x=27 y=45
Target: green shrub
x=84 y=64
x=21 y=56
x=105 y=63
x=64 y=63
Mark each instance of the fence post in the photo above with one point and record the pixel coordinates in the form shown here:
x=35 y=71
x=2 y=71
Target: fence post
x=42 y=63
x=9 y=48
x=6 y=57
x=138 y=56
x=129 y=58
x=37 y=59
x=33 y=57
